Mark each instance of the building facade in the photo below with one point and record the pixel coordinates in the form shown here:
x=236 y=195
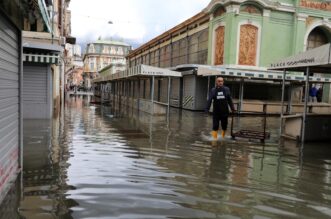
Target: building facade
x=44 y=38
x=239 y=34
x=101 y=54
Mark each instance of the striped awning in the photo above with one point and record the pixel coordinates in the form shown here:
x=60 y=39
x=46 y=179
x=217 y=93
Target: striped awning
x=41 y=58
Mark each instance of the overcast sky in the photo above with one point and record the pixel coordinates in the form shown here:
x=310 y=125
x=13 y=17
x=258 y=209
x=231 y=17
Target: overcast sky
x=135 y=21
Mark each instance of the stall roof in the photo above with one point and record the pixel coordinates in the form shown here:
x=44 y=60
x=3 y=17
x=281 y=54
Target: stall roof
x=139 y=70
x=318 y=60
x=253 y=74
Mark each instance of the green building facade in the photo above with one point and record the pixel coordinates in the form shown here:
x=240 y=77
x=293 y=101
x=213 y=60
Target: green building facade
x=253 y=34
x=244 y=35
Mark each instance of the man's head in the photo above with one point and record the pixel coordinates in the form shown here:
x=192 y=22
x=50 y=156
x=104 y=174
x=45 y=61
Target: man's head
x=219 y=81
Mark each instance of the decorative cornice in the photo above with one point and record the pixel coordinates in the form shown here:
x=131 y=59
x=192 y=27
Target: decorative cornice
x=232 y=8
x=265 y=4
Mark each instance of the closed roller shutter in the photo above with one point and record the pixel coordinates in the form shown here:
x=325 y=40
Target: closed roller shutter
x=9 y=103
x=148 y=89
x=175 y=92
x=164 y=90
x=36 y=92
x=189 y=92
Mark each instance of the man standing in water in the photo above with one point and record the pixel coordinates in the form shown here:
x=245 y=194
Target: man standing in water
x=221 y=98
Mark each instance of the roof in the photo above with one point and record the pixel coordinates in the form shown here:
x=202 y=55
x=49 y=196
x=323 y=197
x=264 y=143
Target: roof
x=111 y=42
x=318 y=60
x=186 y=23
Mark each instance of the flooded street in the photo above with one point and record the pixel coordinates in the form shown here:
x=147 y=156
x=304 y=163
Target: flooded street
x=98 y=163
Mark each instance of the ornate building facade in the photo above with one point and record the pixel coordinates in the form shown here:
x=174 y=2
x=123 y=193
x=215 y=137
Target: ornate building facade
x=101 y=54
x=241 y=34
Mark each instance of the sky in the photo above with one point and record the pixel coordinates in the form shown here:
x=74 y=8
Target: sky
x=133 y=21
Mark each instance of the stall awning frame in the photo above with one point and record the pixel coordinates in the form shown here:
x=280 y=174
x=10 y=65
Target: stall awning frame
x=256 y=75
x=139 y=71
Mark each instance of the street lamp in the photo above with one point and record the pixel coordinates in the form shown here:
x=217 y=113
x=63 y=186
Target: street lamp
x=110 y=22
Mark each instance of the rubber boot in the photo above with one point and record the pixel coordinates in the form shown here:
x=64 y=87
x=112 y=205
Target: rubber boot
x=214 y=134
x=223 y=133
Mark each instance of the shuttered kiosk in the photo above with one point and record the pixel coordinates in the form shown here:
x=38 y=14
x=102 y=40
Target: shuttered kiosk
x=10 y=78
x=37 y=80
x=192 y=97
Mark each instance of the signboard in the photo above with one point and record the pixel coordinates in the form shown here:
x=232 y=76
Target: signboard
x=318 y=5
x=315 y=57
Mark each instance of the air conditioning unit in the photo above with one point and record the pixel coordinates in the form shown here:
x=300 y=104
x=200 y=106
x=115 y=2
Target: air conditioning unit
x=62 y=41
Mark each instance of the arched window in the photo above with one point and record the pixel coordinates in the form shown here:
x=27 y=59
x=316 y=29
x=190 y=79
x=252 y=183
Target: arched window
x=219 y=45
x=219 y=12
x=316 y=38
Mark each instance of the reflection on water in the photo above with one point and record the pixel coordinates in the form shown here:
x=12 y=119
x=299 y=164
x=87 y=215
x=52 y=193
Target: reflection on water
x=95 y=162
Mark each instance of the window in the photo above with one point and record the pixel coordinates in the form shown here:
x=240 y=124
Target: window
x=316 y=38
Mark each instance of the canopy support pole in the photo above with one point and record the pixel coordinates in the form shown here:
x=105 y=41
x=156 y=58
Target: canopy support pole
x=152 y=94
x=289 y=101
x=304 y=117
x=241 y=95
x=282 y=102
x=208 y=87
x=138 y=97
x=169 y=92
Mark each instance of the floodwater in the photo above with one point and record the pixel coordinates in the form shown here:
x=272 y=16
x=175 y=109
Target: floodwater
x=95 y=162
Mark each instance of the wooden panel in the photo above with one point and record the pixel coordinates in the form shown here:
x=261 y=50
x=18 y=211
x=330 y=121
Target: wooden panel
x=248 y=45
x=219 y=46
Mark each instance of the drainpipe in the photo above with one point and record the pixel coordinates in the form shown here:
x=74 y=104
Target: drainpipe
x=53 y=23
x=63 y=63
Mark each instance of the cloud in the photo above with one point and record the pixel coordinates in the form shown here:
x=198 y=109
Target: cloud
x=133 y=20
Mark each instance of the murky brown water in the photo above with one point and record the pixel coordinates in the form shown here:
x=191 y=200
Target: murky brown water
x=96 y=163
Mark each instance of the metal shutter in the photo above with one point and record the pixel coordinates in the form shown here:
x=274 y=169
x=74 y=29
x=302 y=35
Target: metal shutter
x=36 y=92
x=175 y=92
x=9 y=102
x=189 y=92
x=164 y=90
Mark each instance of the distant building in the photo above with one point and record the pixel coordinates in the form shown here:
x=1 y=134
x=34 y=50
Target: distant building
x=75 y=77
x=101 y=54
x=73 y=55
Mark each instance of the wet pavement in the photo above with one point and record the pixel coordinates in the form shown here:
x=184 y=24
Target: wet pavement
x=94 y=162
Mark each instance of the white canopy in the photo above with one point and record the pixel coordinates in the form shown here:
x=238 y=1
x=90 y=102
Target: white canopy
x=139 y=70
x=318 y=59
x=256 y=75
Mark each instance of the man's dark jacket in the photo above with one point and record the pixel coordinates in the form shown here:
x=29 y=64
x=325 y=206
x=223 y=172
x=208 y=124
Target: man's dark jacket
x=221 y=98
